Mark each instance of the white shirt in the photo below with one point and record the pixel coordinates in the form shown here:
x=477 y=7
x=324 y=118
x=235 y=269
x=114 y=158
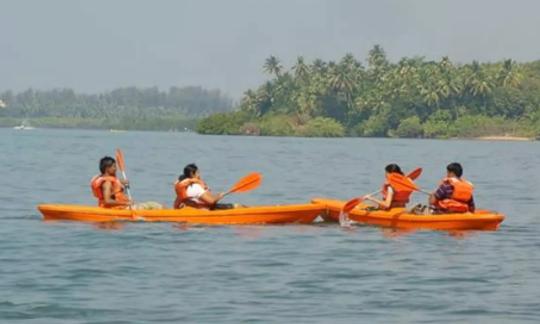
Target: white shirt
x=194 y=192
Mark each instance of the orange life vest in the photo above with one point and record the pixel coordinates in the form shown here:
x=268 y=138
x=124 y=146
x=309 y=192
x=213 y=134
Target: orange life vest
x=180 y=187
x=117 y=189
x=462 y=194
x=400 y=198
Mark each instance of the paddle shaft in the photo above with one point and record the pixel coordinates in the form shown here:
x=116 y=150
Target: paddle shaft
x=247 y=183
x=229 y=192
x=424 y=191
x=373 y=193
x=413 y=175
x=122 y=166
x=126 y=186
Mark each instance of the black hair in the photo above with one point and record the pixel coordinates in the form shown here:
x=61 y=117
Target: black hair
x=105 y=163
x=189 y=171
x=393 y=168
x=455 y=168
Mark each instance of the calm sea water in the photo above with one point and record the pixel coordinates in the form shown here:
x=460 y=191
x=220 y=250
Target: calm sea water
x=78 y=273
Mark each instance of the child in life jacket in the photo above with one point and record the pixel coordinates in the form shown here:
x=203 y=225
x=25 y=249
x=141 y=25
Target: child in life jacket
x=454 y=194
x=193 y=192
x=107 y=188
x=391 y=197
x=110 y=191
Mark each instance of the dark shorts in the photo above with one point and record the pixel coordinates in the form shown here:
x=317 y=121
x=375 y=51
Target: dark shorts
x=223 y=206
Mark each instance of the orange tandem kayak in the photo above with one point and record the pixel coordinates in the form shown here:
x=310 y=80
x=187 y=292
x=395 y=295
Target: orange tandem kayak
x=401 y=218
x=303 y=214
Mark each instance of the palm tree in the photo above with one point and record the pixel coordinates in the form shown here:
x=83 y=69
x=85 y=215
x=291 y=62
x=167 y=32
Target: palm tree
x=403 y=80
x=301 y=70
x=430 y=96
x=250 y=102
x=377 y=58
x=340 y=80
x=445 y=64
x=318 y=66
x=265 y=97
x=350 y=62
x=306 y=103
x=272 y=65
x=340 y=86
x=509 y=75
x=477 y=82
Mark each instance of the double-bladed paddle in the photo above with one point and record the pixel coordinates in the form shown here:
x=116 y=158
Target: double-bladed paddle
x=402 y=181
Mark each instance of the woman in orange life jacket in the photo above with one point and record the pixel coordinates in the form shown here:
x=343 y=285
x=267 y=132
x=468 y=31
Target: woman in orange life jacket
x=454 y=194
x=107 y=188
x=391 y=197
x=192 y=191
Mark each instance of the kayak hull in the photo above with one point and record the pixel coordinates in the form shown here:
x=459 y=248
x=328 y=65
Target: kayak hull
x=400 y=218
x=302 y=214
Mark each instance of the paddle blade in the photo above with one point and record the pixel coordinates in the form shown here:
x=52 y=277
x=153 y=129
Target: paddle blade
x=351 y=204
x=247 y=183
x=413 y=175
x=344 y=220
x=401 y=183
x=120 y=160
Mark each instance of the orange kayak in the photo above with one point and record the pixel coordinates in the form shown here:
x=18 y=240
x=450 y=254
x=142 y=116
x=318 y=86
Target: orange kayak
x=401 y=218
x=303 y=214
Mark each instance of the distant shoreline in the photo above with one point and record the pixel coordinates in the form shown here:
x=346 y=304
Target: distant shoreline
x=158 y=123
x=505 y=138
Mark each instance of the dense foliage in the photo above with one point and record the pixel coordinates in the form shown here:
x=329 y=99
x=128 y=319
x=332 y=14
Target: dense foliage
x=124 y=108
x=411 y=98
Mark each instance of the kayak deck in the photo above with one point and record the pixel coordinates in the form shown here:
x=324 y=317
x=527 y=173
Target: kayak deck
x=303 y=213
x=401 y=218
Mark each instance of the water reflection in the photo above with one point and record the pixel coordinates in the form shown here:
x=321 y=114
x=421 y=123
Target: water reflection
x=109 y=226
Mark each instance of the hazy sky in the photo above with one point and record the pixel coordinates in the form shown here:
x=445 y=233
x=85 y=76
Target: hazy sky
x=94 y=45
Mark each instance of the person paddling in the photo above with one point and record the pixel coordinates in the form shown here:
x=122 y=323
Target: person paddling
x=193 y=192
x=111 y=191
x=454 y=194
x=392 y=197
x=107 y=188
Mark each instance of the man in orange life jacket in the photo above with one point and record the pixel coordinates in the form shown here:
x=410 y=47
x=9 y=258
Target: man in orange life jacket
x=392 y=198
x=454 y=194
x=192 y=191
x=107 y=188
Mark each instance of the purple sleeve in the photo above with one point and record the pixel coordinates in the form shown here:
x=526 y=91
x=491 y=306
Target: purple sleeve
x=444 y=191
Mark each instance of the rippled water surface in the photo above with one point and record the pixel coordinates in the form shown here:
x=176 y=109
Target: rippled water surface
x=78 y=273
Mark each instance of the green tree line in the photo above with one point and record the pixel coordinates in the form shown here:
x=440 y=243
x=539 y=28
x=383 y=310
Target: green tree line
x=123 y=108
x=413 y=97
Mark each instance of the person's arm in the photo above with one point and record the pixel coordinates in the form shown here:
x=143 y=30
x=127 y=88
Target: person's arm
x=196 y=191
x=107 y=196
x=443 y=191
x=387 y=203
x=432 y=199
x=472 y=206
x=210 y=198
x=178 y=203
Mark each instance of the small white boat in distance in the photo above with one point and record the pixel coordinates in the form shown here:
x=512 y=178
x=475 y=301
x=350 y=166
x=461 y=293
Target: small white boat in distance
x=23 y=126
